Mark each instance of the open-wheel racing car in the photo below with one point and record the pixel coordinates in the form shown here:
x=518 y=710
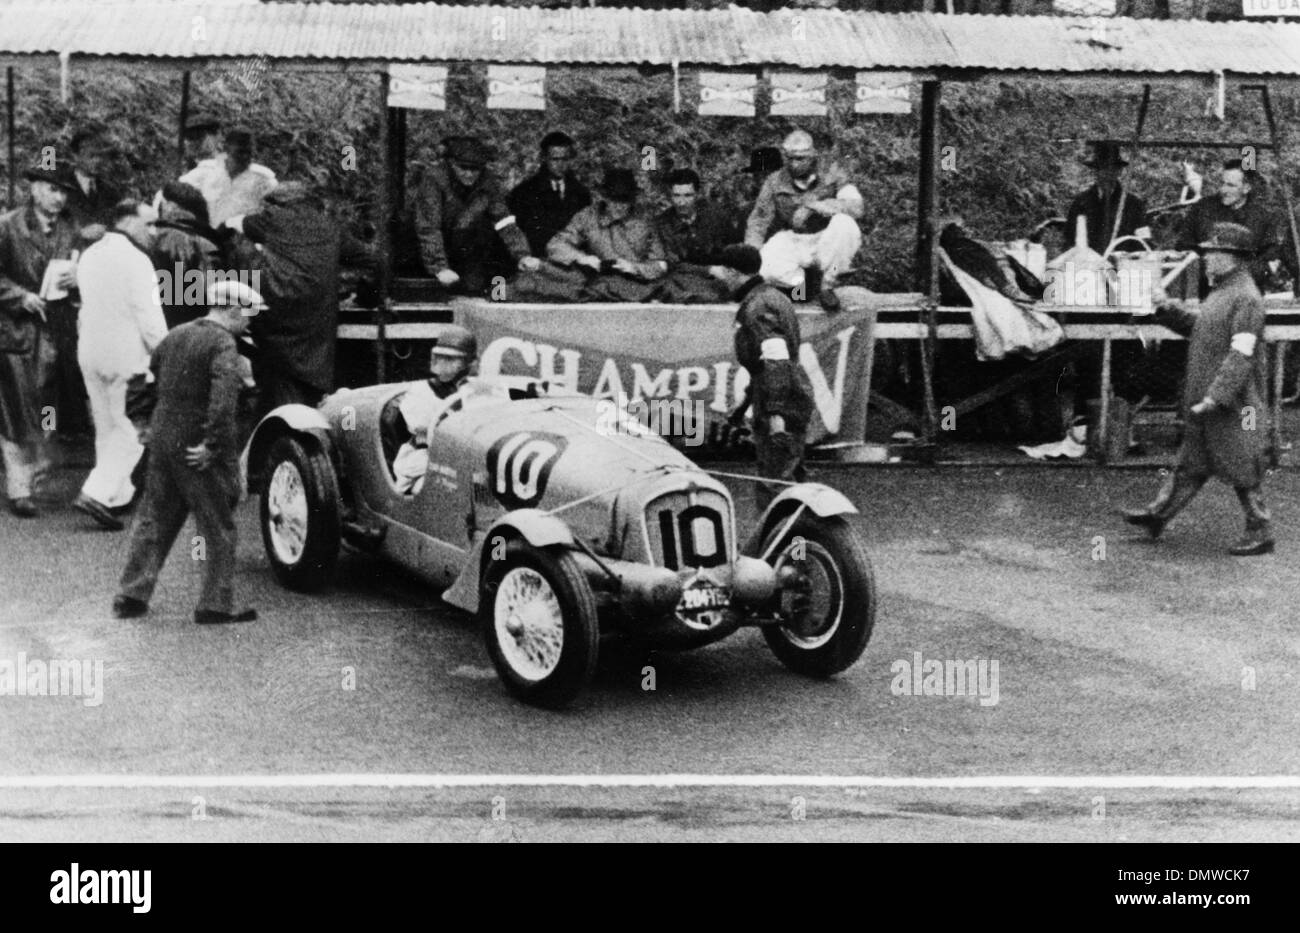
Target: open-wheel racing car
x=557 y=530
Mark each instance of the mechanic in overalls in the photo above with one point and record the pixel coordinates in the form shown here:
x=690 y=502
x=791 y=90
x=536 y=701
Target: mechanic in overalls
x=767 y=345
x=450 y=362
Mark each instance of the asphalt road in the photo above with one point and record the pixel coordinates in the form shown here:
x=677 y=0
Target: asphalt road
x=1170 y=666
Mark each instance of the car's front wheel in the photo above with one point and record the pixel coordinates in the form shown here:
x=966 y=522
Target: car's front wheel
x=539 y=619
x=300 y=514
x=826 y=597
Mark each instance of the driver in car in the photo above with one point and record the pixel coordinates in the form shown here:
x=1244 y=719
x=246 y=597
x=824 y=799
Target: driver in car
x=450 y=363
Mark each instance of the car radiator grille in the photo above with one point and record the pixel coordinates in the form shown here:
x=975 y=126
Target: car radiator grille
x=689 y=529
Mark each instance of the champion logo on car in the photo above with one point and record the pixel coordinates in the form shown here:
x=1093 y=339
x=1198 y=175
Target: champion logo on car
x=519 y=465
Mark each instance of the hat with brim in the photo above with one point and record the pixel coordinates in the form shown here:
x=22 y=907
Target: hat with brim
x=1105 y=155
x=1229 y=238
x=202 y=122
x=619 y=184
x=60 y=177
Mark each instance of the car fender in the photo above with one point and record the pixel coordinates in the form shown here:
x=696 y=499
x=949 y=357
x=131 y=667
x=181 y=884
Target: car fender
x=821 y=500
x=540 y=529
x=294 y=419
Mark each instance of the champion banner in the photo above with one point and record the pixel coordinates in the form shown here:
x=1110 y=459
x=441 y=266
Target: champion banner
x=673 y=352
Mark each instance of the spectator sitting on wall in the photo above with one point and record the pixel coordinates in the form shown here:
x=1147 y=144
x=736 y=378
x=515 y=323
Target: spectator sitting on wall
x=608 y=252
x=545 y=203
x=693 y=233
x=459 y=214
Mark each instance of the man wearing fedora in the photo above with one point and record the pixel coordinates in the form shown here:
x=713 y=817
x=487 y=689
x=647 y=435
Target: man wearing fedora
x=805 y=221
x=460 y=212
x=609 y=251
x=1099 y=205
x=30 y=238
x=1224 y=400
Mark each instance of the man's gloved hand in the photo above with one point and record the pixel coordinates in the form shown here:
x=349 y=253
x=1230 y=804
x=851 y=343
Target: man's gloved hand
x=1203 y=407
x=198 y=457
x=446 y=277
x=529 y=264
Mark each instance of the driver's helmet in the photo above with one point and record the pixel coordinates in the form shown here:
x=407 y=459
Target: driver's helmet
x=455 y=341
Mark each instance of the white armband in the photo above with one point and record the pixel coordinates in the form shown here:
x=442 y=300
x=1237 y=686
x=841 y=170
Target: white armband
x=773 y=348
x=1244 y=344
x=504 y=222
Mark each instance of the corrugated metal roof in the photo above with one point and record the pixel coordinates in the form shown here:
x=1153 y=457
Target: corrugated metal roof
x=720 y=38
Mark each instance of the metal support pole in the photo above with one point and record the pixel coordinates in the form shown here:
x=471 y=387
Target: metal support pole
x=927 y=248
x=1103 y=416
x=10 y=122
x=1136 y=146
x=180 y=129
x=1275 y=428
x=384 y=235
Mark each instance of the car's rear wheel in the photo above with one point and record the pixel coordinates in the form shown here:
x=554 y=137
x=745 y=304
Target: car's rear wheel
x=539 y=620
x=300 y=514
x=826 y=597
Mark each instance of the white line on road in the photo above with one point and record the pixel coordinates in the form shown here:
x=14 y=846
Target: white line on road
x=984 y=782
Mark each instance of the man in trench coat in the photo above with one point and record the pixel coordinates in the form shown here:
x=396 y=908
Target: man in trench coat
x=1224 y=399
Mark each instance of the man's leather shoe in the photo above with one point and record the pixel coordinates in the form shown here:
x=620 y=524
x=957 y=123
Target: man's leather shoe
x=99 y=512
x=1249 y=546
x=1154 y=524
x=128 y=607
x=212 y=617
x=23 y=507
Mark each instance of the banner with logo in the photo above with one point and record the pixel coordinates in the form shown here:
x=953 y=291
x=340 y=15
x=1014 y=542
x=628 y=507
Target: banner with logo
x=723 y=94
x=516 y=87
x=798 y=94
x=417 y=87
x=883 y=93
x=673 y=353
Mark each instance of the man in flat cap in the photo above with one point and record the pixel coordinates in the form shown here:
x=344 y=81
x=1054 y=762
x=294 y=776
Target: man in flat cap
x=33 y=306
x=805 y=221
x=767 y=345
x=609 y=251
x=193 y=458
x=1224 y=401
x=459 y=213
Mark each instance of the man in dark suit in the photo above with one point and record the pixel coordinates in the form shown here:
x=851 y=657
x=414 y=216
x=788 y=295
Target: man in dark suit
x=91 y=202
x=544 y=204
x=1100 y=204
x=193 y=458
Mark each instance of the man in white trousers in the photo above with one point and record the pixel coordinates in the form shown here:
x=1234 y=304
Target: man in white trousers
x=805 y=222
x=121 y=323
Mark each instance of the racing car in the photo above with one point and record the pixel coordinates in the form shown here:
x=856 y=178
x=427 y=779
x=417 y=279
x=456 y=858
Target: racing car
x=558 y=524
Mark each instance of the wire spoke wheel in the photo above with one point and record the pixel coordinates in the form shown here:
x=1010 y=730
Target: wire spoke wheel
x=529 y=622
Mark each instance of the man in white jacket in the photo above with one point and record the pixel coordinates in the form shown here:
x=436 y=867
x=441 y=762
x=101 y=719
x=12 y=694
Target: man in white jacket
x=121 y=323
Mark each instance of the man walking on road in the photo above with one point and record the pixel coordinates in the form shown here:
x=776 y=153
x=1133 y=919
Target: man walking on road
x=121 y=323
x=1224 y=398
x=193 y=462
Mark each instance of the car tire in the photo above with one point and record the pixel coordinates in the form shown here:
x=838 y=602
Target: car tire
x=300 y=514
x=840 y=596
x=551 y=589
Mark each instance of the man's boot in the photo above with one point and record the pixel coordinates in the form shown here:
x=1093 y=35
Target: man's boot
x=1178 y=490
x=1258 y=538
